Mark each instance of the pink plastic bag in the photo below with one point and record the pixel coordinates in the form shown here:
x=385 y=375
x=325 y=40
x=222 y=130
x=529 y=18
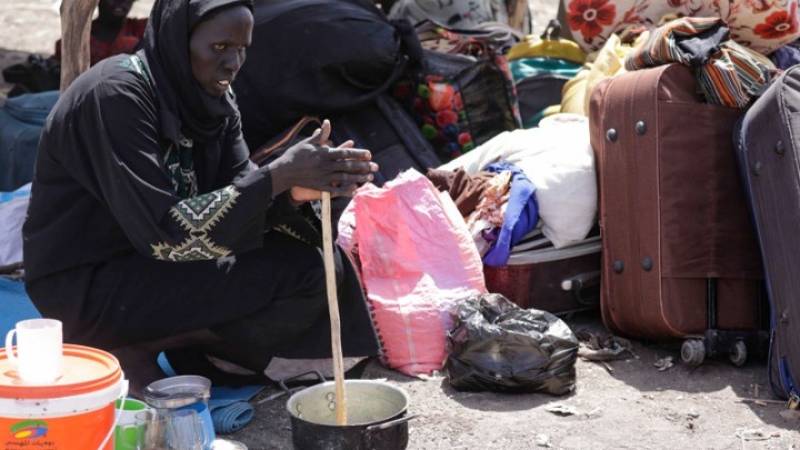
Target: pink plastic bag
x=417 y=259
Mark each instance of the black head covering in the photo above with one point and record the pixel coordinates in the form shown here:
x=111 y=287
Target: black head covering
x=185 y=107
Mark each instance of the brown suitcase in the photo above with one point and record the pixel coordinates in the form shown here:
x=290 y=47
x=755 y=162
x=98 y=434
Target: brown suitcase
x=560 y=281
x=680 y=256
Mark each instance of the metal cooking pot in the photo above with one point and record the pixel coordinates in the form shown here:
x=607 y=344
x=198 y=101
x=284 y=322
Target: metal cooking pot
x=376 y=417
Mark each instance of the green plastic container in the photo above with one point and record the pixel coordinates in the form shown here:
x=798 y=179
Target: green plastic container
x=129 y=432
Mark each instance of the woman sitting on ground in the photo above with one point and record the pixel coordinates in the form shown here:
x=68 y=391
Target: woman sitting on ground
x=112 y=31
x=147 y=220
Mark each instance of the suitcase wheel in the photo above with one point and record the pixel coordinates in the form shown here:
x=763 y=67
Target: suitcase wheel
x=738 y=354
x=693 y=352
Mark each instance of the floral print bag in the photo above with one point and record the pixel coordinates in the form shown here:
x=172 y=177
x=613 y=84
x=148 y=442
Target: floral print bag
x=761 y=25
x=464 y=94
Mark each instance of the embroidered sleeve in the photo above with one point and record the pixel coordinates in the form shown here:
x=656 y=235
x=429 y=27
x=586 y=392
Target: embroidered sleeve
x=155 y=199
x=198 y=216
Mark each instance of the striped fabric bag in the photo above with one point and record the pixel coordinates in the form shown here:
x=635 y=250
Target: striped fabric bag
x=735 y=75
x=728 y=73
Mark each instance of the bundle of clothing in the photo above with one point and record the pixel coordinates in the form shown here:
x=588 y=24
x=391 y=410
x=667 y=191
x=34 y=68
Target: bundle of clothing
x=498 y=204
x=728 y=73
x=521 y=180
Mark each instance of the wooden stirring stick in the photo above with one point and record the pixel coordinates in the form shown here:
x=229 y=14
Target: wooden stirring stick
x=333 y=309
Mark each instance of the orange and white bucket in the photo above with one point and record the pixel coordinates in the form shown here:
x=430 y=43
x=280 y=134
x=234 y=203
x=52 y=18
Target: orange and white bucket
x=75 y=412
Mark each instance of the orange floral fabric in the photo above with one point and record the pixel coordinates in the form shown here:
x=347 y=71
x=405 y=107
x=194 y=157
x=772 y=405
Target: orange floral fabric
x=762 y=25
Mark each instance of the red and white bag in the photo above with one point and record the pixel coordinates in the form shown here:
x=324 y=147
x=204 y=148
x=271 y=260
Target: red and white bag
x=417 y=259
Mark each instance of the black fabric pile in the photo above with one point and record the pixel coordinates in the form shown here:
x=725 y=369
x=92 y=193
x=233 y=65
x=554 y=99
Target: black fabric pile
x=317 y=57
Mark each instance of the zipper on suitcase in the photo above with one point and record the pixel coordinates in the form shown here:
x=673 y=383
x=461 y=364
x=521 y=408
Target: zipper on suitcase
x=711 y=303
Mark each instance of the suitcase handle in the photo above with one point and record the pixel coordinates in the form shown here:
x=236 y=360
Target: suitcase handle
x=579 y=283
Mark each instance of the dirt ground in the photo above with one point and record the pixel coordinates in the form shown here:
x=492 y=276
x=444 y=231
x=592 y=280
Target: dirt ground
x=630 y=405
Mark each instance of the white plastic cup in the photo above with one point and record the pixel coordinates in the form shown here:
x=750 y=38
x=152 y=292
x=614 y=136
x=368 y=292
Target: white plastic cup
x=39 y=350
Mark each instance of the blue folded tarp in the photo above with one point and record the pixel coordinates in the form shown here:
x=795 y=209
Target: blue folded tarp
x=21 y=122
x=14 y=305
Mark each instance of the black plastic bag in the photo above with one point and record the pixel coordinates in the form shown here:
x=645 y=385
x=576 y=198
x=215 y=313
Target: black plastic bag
x=498 y=346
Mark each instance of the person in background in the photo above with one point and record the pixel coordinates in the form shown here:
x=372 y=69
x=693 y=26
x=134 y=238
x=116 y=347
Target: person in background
x=113 y=32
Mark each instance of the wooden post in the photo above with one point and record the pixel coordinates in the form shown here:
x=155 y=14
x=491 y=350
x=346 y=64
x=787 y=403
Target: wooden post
x=76 y=27
x=516 y=15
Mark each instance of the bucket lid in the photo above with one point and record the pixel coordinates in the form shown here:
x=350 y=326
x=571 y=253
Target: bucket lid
x=85 y=369
x=177 y=392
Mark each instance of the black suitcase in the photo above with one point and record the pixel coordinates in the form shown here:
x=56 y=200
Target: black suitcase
x=769 y=153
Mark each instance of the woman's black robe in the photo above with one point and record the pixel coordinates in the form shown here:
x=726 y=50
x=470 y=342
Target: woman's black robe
x=147 y=219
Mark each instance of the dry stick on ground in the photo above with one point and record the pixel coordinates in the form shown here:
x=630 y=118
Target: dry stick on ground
x=753 y=400
x=76 y=27
x=333 y=309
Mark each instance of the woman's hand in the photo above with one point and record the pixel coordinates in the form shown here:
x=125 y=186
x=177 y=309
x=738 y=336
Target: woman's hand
x=315 y=167
x=301 y=195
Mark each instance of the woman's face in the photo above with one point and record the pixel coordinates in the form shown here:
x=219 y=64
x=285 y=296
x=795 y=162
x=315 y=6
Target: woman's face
x=217 y=48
